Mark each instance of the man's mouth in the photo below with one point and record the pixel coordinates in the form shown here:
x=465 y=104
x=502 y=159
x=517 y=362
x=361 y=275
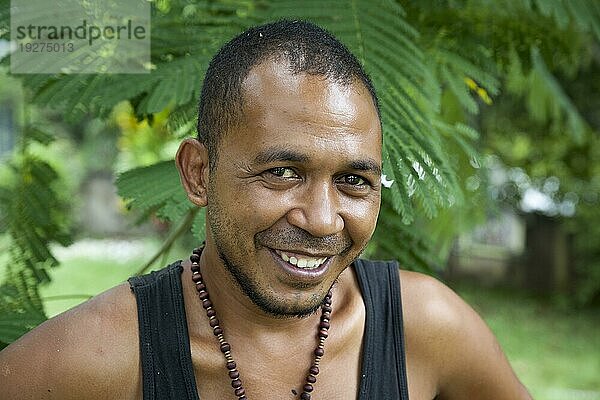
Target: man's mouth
x=301 y=260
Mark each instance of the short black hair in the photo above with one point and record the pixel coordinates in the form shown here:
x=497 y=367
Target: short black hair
x=304 y=46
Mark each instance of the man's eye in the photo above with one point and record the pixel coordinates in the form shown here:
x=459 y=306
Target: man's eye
x=283 y=172
x=354 y=180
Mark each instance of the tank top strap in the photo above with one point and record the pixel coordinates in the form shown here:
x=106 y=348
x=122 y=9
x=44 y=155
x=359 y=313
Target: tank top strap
x=166 y=360
x=383 y=371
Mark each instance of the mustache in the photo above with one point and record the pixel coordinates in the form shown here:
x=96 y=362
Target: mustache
x=299 y=239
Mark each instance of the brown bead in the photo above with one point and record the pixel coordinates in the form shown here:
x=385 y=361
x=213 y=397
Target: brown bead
x=206 y=303
x=305 y=396
x=311 y=379
x=213 y=322
x=308 y=388
x=326 y=315
x=323 y=333
x=234 y=375
x=200 y=286
x=197 y=250
x=324 y=324
x=197 y=278
x=326 y=309
x=236 y=383
x=319 y=352
x=211 y=312
x=195 y=258
x=231 y=365
x=225 y=347
x=314 y=370
x=217 y=330
x=203 y=295
x=195 y=268
x=240 y=392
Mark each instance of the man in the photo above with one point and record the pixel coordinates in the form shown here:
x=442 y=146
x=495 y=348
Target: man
x=275 y=306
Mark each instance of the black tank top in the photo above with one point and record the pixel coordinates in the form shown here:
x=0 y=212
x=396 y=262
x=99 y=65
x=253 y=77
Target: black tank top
x=167 y=371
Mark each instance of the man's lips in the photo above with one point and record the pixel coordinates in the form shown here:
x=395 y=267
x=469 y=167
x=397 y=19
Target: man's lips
x=302 y=260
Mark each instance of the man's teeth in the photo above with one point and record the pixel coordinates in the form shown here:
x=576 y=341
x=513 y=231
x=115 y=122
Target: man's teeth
x=302 y=262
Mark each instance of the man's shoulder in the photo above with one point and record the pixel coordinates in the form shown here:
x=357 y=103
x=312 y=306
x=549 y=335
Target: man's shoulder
x=446 y=338
x=92 y=346
x=429 y=305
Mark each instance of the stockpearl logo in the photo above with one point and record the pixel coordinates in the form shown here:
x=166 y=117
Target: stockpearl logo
x=80 y=36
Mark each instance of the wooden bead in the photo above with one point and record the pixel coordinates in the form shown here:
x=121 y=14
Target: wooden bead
x=217 y=330
x=225 y=347
x=214 y=322
x=311 y=379
x=305 y=396
x=206 y=303
x=195 y=258
x=231 y=365
x=236 y=383
x=197 y=278
x=234 y=375
x=314 y=370
x=308 y=388
x=319 y=352
x=240 y=392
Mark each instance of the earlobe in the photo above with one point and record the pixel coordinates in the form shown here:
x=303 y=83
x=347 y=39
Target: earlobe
x=192 y=163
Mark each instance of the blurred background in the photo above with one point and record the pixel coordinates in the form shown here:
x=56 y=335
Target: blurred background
x=491 y=115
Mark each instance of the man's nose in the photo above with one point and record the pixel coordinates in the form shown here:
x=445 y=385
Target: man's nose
x=318 y=211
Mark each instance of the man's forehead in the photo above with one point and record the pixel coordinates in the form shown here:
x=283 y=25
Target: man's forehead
x=267 y=82
x=314 y=117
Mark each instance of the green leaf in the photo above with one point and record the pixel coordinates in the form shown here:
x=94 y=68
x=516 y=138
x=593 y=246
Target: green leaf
x=156 y=187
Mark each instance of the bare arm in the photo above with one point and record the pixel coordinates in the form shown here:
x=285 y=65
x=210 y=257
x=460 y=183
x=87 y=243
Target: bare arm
x=89 y=352
x=447 y=336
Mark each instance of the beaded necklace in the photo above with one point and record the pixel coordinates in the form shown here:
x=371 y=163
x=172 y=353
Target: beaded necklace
x=234 y=375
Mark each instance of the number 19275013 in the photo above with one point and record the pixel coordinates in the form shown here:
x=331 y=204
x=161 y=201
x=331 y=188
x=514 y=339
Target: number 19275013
x=43 y=47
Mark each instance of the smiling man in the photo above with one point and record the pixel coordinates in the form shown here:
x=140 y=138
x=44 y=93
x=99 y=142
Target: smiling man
x=276 y=304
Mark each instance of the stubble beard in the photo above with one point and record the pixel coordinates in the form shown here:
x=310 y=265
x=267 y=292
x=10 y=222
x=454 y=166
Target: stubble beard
x=258 y=296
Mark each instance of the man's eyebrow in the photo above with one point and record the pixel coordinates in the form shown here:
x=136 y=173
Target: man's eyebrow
x=273 y=154
x=367 y=165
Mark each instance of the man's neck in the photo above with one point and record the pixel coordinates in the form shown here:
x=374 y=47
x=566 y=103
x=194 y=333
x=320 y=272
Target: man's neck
x=235 y=309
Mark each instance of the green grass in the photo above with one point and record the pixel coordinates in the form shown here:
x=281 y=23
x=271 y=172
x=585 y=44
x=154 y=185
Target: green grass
x=78 y=278
x=555 y=353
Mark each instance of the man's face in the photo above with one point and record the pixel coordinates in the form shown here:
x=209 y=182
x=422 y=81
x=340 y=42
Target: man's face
x=294 y=196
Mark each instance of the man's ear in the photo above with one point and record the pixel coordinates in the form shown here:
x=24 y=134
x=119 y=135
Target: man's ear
x=192 y=163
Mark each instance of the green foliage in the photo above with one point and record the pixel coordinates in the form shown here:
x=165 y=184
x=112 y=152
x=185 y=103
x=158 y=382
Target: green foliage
x=408 y=244
x=20 y=305
x=156 y=190
x=34 y=215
